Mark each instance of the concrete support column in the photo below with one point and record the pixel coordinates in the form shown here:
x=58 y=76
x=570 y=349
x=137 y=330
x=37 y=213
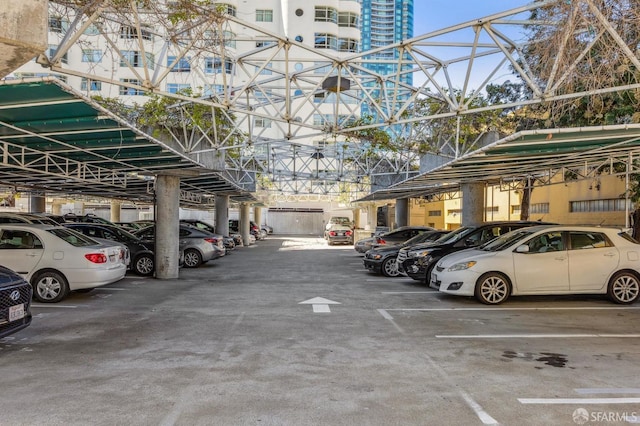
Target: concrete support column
x=372 y=216
x=402 y=212
x=245 y=211
x=472 y=203
x=37 y=202
x=356 y=218
x=115 y=210
x=257 y=216
x=167 y=226
x=222 y=214
x=56 y=207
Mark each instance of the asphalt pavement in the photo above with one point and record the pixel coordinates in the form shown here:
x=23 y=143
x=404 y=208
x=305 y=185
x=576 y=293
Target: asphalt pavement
x=294 y=332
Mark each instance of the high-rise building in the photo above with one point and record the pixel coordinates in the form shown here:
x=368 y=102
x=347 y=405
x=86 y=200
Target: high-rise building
x=382 y=23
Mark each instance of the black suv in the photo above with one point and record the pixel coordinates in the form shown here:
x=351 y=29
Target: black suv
x=15 y=301
x=417 y=261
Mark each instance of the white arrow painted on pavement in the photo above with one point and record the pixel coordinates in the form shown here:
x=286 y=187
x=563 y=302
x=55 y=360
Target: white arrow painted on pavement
x=320 y=304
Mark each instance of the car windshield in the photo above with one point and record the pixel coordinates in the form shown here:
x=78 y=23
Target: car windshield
x=506 y=240
x=455 y=235
x=72 y=237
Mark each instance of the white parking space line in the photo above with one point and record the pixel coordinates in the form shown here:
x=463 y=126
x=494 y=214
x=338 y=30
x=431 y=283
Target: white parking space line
x=566 y=308
x=389 y=318
x=46 y=305
x=409 y=292
x=582 y=401
x=590 y=391
x=111 y=289
x=535 y=336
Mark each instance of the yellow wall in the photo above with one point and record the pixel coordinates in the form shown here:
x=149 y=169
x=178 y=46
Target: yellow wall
x=560 y=195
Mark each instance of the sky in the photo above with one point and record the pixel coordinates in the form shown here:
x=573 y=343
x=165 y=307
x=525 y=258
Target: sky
x=432 y=15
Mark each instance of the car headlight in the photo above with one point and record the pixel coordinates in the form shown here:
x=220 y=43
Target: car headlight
x=462 y=266
x=418 y=253
x=377 y=257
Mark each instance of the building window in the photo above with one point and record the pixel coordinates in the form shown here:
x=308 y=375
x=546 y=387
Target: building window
x=590 y=206
x=262 y=95
x=348 y=19
x=266 y=70
x=229 y=9
x=265 y=43
x=214 y=66
x=134 y=58
x=325 y=41
x=435 y=212
x=91 y=55
x=347 y=45
x=326 y=14
x=492 y=209
x=58 y=25
x=262 y=122
x=264 y=15
x=130 y=91
x=539 y=208
x=52 y=51
x=183 y=64
x=515 y=209
x=92 y=30
x=128 y=32
x=176 y=88
x=90 y=85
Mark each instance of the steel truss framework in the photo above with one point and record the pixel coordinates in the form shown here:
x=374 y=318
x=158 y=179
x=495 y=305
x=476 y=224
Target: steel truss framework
x=282 y=81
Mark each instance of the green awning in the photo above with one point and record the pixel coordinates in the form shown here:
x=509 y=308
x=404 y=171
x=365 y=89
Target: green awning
x=526 y=154
x=56 y=140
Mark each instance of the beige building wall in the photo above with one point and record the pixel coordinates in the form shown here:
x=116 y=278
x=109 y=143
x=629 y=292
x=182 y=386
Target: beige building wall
x=597 y=195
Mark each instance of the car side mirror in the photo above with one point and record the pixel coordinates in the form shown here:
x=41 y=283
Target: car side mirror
x=522 y=249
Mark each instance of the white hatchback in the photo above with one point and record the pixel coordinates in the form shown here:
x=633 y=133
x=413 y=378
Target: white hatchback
x=56 y=260
x=545 y=260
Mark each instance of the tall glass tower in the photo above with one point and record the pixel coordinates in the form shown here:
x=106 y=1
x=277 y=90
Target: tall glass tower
x=384 y=22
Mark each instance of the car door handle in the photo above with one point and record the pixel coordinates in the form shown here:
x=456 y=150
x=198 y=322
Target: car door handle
x=560 y=258
x=31 y=254
x=609 y=254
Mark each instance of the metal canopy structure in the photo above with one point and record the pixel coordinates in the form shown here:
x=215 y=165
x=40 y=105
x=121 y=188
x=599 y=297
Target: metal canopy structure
x=528 y=156
x=53 y=139
x=282 y=81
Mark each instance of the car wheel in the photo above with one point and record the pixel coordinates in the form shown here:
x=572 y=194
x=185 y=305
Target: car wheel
x=49 y=287
x=192 y=258
x=390 y=267
x=624 y=288
x=492 y=288
x=143 y=265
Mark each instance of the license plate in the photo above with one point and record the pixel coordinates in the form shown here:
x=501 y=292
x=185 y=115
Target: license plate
x=16 y=312
x=112 y=257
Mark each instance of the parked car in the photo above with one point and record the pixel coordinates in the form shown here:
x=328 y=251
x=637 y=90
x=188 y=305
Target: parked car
x=382 y=259
x=268 y=229
x=545 y=260
x=228 y=240
x=57 y=260
x=197 y=245
x=418 y=261
x=234 y=226
x=141 y=254
x=398 y=235
x=19 y=217
x=339 y=234
x=15 y=302
x=86 y=218
x=337 y=220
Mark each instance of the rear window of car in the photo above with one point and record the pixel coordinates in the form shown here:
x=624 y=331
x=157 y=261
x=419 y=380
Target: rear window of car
x=72 y=237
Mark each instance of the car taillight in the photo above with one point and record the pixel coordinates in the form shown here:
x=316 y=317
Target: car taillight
x=347 y=233
x=381 y=241
x=96 y=257
x=213 y=241
x=333 y=233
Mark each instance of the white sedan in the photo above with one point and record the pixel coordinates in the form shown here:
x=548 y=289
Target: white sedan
x=56 y=260
x=545 y=260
